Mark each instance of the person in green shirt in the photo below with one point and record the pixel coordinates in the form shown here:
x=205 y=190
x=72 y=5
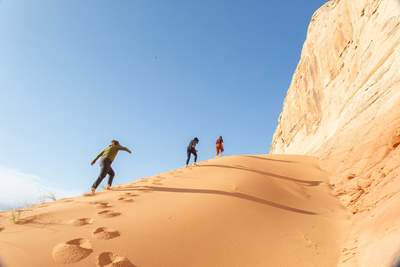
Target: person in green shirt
x=107 y=157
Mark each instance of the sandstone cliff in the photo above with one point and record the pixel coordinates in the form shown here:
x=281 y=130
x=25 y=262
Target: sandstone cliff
x=343 y=105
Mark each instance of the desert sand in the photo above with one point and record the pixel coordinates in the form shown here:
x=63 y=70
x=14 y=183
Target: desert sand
x=248 y=210
x=341 y=112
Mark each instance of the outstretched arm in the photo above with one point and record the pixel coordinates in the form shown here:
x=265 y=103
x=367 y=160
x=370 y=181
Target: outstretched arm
x=97 y=157
x=123 y=148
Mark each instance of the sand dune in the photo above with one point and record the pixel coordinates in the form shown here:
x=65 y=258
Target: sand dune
x=235 y=211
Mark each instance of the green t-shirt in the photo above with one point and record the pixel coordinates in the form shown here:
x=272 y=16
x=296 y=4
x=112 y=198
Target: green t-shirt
x=111 y=151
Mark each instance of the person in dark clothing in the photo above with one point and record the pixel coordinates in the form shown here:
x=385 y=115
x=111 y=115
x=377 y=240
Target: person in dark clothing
x=107 y=156
x=191 y=149
x=219 y=146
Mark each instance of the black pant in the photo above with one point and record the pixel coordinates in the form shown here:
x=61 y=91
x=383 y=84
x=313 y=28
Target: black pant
x=189 y=153
x=105 y=169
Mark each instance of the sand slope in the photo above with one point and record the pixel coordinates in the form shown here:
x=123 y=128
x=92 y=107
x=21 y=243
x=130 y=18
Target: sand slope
x=234 y=211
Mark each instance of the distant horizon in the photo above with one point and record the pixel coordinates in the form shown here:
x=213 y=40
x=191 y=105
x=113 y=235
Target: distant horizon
x=152 y=74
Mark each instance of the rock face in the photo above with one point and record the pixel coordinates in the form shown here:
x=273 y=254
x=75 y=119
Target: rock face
x=343 y=106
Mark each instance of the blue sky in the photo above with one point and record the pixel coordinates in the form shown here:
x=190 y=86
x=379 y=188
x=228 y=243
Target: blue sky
x=152 y=74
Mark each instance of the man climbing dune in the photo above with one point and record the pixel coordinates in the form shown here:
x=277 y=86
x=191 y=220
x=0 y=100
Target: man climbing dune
x=191 y=149
x=107 y=157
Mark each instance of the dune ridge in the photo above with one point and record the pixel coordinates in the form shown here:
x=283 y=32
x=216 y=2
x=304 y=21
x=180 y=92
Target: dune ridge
x=248 y=210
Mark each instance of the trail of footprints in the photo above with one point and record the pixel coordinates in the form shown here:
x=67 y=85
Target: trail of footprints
x=75 y=250
x=158 y=180
x=128 y=197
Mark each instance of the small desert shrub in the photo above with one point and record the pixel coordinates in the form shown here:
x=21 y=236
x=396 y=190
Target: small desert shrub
x=15 y=216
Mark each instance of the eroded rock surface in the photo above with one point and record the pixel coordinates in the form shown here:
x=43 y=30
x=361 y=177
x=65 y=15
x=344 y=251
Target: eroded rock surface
x=343 y=106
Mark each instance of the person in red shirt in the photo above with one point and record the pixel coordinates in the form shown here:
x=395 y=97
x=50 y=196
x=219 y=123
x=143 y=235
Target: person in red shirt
x=219 y=145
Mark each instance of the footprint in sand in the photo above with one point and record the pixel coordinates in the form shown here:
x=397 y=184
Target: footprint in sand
x=125 y=199
x=72 y=251
x=131 y=194
x=100 y=203
x=81 y=221
x=348 y=253
x=103 y=205
x=108 y=213
x=1 y=229
x=109 y=259
x=105 y=233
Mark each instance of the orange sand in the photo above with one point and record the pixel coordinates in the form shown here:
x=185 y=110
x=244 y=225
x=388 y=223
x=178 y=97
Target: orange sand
x=233 y=211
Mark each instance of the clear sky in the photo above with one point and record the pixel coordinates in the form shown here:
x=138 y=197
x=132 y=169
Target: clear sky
x=152 y=74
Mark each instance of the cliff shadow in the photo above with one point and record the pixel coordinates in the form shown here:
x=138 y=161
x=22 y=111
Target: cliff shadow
x=219 y=192
x=277 y=176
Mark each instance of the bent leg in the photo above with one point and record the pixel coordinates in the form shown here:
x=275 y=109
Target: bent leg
x=195 y=155
x=111 y=175
x=103 y=173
